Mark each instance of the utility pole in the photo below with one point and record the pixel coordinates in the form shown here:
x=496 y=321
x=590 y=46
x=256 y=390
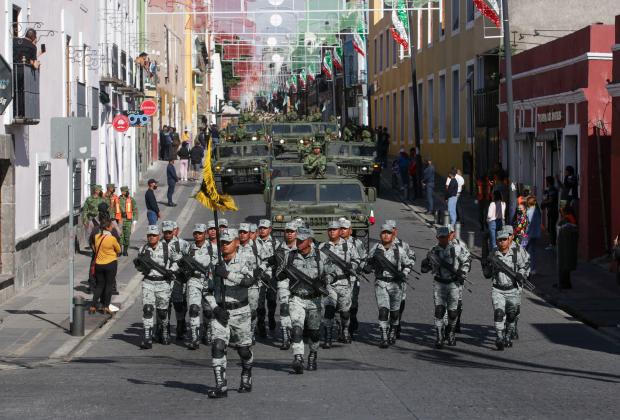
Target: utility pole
x=416 y=111
x=509 y=93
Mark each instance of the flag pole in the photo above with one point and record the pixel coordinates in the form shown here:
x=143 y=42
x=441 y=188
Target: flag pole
x=416 y=111
x=509 y=92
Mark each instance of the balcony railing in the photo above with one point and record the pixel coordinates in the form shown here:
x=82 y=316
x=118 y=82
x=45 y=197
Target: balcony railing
x=485 y=108
x=26 y=108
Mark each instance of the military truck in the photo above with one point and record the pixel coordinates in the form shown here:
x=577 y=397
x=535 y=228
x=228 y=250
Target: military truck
x=286 y=137
x=245 y=132
x=241 y=163
x=319 y=201
x=356 y=160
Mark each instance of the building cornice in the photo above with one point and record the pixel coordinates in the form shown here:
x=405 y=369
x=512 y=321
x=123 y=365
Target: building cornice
x=590 y=56
x=571 y=97
x=614 y=89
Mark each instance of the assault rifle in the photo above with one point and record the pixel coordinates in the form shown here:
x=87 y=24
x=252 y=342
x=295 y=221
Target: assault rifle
x=518 y=278
x=386 y=264
x=438 y=261
x=341 y=263
x=145 y=264
x=188 y=265
x=295 y=274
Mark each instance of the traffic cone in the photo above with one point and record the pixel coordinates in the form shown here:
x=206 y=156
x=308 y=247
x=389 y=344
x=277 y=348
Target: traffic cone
x=371 y=219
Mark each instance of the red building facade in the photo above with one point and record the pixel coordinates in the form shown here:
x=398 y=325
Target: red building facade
x=561 y=97
x=614 y=91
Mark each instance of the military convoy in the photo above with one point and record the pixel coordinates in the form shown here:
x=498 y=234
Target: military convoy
x=245 y=162
x=355 y=160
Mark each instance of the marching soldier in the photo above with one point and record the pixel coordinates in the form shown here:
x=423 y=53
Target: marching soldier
x=223 y=225
x=112 y=199
x=248 y=251
x=346 y=233
x=228 y=296
x=391 y=266
x=509 y=268
x=267 y=246
x=129 y=215
x=302 y=278
x=467 y=254
x=155 y=286
x=91 y=209
x=450 y=265
x=175 y=248
x=315 y=163
x=345 y=260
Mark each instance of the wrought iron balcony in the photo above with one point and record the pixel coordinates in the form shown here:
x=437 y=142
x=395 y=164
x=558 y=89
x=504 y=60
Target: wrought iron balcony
x=26 y=107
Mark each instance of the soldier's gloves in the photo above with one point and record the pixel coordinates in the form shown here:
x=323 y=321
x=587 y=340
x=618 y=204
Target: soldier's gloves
x=221 y=271
x=247 y=281
x=521 y=279
x=400 y=277
x=349 y=267
x=281 y=276
x=221 y=315
x=258 y=273
x=426 y=265
x=271 y=261
x=461 y=275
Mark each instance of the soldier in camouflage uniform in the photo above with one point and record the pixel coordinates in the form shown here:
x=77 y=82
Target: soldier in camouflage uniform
x=467 y=254
x=304 y=299
x=176 y=248
x=129 y=214
x=315 y=163
x=389 y=281
x=450 y=265
x=90 y=210
x=232 y=325
x=304 y=149
x=267 y=246
x=338 y=251
x=346 y=233
x=253 y=231
x=155 y=289
x=347 y=133
x=508 y=267
x=248 y=252
x=112 y=200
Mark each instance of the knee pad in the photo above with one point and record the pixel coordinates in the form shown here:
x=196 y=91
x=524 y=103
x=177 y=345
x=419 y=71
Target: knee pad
x=162 y=314
x=147 y=311
x=498 y=315
x=314 y=335
x=330 y=312
x=344 y=315
x=440 y=310
x=283 y=310
x=244 y=353
x=207 y=313
x=511 y=315
x=297 y=334
x=453 y=314
x=194 y=311
x=394 y=315
x=384 y=314
x=253 y=315
x=218 y=349
x=179 y=307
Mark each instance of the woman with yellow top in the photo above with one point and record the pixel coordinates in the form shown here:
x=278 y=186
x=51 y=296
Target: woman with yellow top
x=107 y=250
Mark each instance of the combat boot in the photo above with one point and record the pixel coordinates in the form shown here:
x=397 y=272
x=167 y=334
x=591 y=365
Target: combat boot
x=439 y=337
x=508 y=338
x=312 y=356
x=194 y=344
x=499 y=341
x=346 y=336
x=286 y=339
x=165 y=334
x=515 y=331
x=392 y=335
x=125 y=250
x=328 y=337
x=298 y=364
x=181 y=330
x=221 y=387
x=246 y=377
x=457 y=327
x=147 y=339
x=384 y=344
x=451 y=337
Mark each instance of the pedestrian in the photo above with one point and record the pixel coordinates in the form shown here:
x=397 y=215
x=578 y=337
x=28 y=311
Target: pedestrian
x=163 y=143
x=176 y=142
x=129 y=215
x=412 y=171
x=231 y=322
x=391 y=266
x=460 y=213
x=395 y=175
x=346 y=233
x=184 y=157
x=186 y=136
x=403 y=168
x=449 y=264
x=196 y=156
x=452 y=191
x=172 y=179
x=551 y=205
x=534 y=230
x=569 y=187
x=520 y=225
x=495 y=217
x=106 y=249
x=152 y=208
x=215 y=134
x=428 y=183
x=508 y=266
x=202 y=138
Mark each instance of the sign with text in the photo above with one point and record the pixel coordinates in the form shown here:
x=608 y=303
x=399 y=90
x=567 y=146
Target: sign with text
x=551 y=116
x=6 y=84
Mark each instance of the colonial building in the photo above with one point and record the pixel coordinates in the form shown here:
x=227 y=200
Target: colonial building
x=614 y=173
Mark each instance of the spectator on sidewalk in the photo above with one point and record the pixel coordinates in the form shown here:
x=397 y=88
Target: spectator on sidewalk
x=413 y=173
x=183 y=155
x=202 y=138
x=534 y=230
x=395 y=175
x=495 y=217
x=95 y=229
x=215 y=134
x=403 y=169
x=551 y=205
x=520 y=224
x=452 y=196
x=172 y=179
x=428 y=183
x=460 y=213
x=569 y=187
x=107 y=249
x=196 y=156
x=152 y=208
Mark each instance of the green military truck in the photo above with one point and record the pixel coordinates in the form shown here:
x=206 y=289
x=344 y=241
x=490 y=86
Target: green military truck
x=356 y=160
x=245 y=132
x=319 y=201
x=241 y=163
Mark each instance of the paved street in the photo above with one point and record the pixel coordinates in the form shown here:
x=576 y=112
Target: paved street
x=559 y=368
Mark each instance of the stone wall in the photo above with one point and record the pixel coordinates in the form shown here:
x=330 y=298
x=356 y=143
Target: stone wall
x=7 y=218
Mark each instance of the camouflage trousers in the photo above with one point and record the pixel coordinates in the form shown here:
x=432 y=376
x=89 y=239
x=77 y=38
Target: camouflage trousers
x=339 y=299
x=445 y=298
x=506 y=305
x=236 y=333
x=196 y=291
x=389 y=296
x=283 y=298
x=253 y=294
x=155 y=294
x=305 y=314
x=126 y=233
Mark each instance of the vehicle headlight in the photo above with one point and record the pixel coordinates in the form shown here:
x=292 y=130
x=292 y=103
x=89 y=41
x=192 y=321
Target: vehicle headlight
x=339 y=167
x=376 y=166
x=229 y=170
x=301 y=142
x=281 y=141
x=361 y=218
x=364 y=168
x=218 y=168
x=256 y=169
x=279 y=218
x=254 y=138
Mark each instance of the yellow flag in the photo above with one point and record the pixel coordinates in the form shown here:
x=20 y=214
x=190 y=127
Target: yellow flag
x=208 y=195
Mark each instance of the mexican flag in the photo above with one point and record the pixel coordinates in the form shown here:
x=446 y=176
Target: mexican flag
x=359 y=36
x=338 y=59
x=302 y=78
x=311 y=73
x=328 y=67
x=400 y=20
x=490 y=9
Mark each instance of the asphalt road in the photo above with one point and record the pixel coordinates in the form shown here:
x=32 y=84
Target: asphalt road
x=559 y=368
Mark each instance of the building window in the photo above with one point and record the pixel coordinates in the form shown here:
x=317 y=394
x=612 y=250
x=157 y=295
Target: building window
x=45 y=193
x=419 y=29
x=386 y=120
x=441 y=28
x=380 y=117
x=442 y=107
x=77 y=186
x=420 y=102
x=395 y=51
x=456 y=15
x=381 y=53
x=480 y=73
x=81 y=99
x=92 y=173
x=456 y=105
x=411 y=122
x=376 y=63
x=430 y=99
x=471 y=15
x=402 y=116
x=94 y=108
x=388 y=41
x=394 y=119
x=470 y=100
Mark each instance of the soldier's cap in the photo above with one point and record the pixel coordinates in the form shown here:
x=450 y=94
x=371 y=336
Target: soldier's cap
x=316 y=145
x=110 y=186
x=300 y=222
x=200 y=227
x=387 y=228
x=96 y=187
x=152 y=181
x=244 y=227
x=253 y=227
x=175 y=224
x=99 y=186
x=229 y=235
x=291 y=226
x=391 y=223
x=211 y=224
x=442 y=231
x=124 y=189
x=103 y=207
x=503 y=234
x=223 y=222
x=167 y=226
x=334 y=224
x=304 y=233
x=509 y=229
x=152 y=230
x=264 y=223
x=344 y=223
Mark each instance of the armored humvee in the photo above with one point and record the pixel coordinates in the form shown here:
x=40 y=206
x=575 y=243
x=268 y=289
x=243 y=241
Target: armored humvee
x=241 y=163
x=356 y=160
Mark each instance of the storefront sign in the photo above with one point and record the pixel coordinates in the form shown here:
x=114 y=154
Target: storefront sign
x=121 y=123
x=551 y=116
x=6 y=85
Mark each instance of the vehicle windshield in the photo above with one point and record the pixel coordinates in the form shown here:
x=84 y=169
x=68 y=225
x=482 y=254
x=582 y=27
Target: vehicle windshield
x=323 y=128
x=340 y=193
x=232 y=128
x=302 y=129
x=286 y=171
x=337 y=149
x=295 y=192
x=367 y=151
x=260 y=150
x=229 y=151
x=280 y=129
x=253 y=128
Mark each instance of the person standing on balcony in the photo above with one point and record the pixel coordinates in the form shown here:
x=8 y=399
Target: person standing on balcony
x=25 y=49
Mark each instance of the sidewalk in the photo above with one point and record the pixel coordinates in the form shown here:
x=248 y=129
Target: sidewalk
x=595 y=296
x=34 y=326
